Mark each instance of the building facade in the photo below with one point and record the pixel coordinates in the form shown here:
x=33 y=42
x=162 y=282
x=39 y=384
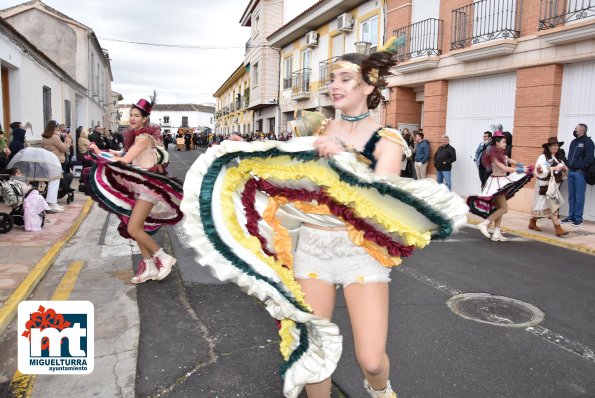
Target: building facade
x=465 y=66
x=262 y=62
x=312 y=40
x=75 y=48
x=33 y=88
x=233 y=99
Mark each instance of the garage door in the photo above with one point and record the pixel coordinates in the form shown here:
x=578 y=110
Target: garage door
x=577 y=105
x=473 y=105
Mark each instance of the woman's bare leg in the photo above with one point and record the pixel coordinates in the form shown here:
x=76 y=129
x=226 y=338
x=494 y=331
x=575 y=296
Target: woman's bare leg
x=501 y=209
x=321 y=298
x=368 y=310
x=136 y=228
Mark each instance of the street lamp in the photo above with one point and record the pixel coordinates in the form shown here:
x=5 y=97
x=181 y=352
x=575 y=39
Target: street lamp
x=362 y=47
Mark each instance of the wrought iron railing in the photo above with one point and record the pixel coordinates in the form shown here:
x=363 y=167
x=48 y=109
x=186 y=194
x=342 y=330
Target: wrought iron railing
x=239 y=103
x=248 y=45
x=485 y=20
x=301 y=81
x=324 y=67
x=557 y=12
x=419 y=39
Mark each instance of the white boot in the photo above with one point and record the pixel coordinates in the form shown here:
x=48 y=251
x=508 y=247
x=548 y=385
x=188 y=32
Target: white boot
x=146 y=271
x=386 y=393
x=483 y=228
x=498 y=237
x=164 y=263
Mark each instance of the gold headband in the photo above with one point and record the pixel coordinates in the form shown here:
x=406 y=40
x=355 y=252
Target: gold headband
x=373 y=76
x=345 y=64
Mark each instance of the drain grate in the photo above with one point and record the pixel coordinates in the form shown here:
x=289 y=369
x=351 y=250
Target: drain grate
x=495 y=310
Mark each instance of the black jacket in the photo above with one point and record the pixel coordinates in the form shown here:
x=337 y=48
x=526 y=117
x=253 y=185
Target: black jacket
x=444 y=158
x=97 y=138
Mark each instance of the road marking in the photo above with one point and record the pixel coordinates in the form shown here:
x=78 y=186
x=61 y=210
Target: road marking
x=21 y=385
x=563 y=342
x=540 y=331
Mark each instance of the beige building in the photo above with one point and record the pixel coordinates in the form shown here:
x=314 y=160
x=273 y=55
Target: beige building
x=528 y=65
x=315 y=38
x=262 y=62
x=233 y=98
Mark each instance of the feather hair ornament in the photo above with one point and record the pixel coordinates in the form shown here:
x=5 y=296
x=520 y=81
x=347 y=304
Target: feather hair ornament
x=393 y=44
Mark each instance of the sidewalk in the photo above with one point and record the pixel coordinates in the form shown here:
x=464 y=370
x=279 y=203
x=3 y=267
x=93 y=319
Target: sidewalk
x=581 y=239
x=26 y=256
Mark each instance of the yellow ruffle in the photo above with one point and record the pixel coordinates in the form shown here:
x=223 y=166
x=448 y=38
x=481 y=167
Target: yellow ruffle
x=287 y=340
x=280 y=168
x=234 y=178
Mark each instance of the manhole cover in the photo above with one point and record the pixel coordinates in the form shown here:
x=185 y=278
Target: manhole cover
x=495 y=310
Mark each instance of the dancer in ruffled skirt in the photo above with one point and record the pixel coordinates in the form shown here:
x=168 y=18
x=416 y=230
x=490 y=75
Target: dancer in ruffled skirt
x=133 y=186
x=499 y=187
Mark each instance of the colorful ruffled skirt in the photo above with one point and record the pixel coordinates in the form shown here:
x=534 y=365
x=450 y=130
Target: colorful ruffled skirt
x=116 y=187
x=485 y=204
x=245 y=203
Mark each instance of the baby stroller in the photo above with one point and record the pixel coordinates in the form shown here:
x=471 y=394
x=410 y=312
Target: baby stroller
x=64 y=190
x=11 y=193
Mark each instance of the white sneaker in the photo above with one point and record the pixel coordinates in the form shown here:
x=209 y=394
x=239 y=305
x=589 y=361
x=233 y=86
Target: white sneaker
x=386 y=393
x=164 y=262
x=146 y=271
x=55 y=207
x=483 y=228
x=498 y=237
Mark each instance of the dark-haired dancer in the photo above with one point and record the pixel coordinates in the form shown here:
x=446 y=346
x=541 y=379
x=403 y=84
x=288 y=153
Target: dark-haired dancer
x=499 y=187
x=341 y=197
x=132 y=185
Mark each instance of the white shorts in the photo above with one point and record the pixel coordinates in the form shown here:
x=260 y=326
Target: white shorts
x=332 y=257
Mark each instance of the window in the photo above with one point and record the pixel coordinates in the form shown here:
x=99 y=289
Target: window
x=47 y=105
x=255 y=26
x=67 y=113
x=184 y=121
x=306 y=57
x=166 y=119
x=369 y=30
x=255 y=80
x=287 y=71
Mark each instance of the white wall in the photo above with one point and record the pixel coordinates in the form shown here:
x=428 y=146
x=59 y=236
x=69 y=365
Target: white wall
x=293 y=8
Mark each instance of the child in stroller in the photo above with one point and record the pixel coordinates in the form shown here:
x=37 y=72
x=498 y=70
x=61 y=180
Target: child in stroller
x=14 y=192
x=63 y=190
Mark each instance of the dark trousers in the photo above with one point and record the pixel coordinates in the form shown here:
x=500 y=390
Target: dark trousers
x=483 y=175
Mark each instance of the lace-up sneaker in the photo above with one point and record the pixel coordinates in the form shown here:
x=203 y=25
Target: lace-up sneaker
x=566 y=220
x=483 y=228
x=164 y=262
x=146 y=271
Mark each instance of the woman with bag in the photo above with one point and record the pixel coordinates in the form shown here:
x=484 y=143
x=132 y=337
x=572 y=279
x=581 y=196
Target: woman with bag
x=550 y=171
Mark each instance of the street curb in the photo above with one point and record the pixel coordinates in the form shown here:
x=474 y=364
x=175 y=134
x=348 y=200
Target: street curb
x=9 y=309
x=544 y=239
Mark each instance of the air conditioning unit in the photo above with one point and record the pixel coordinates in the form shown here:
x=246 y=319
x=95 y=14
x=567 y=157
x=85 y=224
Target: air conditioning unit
x=312 y=39
x=345 y=22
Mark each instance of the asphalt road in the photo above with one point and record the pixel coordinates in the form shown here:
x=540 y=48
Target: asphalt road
x=201 y=338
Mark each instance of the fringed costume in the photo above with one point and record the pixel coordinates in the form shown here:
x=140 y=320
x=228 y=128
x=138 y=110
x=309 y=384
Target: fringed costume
x=245 y=204
x=116 y=186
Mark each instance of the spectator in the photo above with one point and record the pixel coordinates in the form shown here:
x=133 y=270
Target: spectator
x=407 y=162
x=50 y=141
x=96 y=137
x=4 y=152
x=482 y=149
x=422 y=155
x=18 y=139
x=550 y=171
x=83 y=144
x=580 y=157
x=445 y=156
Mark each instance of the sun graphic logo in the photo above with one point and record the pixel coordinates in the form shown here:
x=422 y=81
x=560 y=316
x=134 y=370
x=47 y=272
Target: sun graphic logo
x=56 y=337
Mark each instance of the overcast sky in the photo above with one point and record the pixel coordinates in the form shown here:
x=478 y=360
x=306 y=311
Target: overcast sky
x=179 y=75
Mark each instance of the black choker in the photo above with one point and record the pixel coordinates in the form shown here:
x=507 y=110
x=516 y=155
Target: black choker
x=355 y=118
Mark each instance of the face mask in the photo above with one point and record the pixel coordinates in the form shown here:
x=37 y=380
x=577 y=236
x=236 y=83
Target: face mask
x=574 y=133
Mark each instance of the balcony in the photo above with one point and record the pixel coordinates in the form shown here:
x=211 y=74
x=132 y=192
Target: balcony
x=301 y=84
x=484 y=21
x=287 y=82
x=422 y=40
x=248 y=43
x=553 y=13
x=324 y=67
x=238 y=103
